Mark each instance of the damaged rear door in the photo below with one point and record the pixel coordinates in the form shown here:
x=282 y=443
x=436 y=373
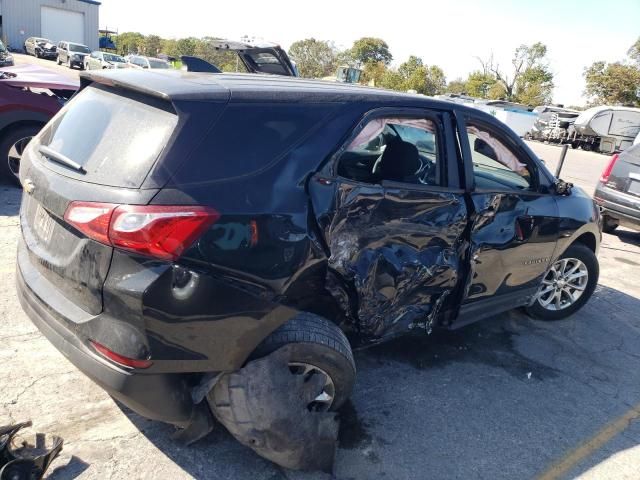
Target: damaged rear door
x=393 y=218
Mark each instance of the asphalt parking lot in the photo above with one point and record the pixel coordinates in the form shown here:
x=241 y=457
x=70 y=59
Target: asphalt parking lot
x=507 y=398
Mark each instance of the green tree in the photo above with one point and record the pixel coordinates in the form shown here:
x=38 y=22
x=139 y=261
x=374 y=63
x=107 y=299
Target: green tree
x=529 y=80
x=314 y=58
x=129 y=42
x=169 y=47
x=457 y=87
x=634 y=51
x=535 y=86
x=415 y=75
x=478 y=84
x=373 y=73
x=370 y=49
x=186 y=46
x=152 y=45
x=225 y=60
x=435 y=81
x=613 y=83
x=345 y=57
x=392 y=80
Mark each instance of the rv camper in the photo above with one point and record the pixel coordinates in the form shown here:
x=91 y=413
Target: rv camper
x=605 y=129
x=518 y=117
x=552 y=124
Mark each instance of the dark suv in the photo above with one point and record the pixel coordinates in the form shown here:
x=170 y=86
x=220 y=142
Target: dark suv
x=176 y=225
x=618 y=191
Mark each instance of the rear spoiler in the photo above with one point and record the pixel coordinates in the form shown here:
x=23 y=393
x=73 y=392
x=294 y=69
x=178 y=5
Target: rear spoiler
x=168 y=85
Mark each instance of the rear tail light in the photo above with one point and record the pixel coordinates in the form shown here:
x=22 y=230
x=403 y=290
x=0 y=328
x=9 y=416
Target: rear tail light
x=120 y=359
x=159 y=231
x=607 y=171
x=90 y=218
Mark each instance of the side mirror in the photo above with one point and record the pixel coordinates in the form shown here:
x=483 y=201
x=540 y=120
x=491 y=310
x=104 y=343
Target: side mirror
x=562 y=188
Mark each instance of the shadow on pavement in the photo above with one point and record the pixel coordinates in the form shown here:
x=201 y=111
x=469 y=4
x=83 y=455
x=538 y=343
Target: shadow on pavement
x=10 y=195
x=73 y=469
x=504 y=398
x=627 y=236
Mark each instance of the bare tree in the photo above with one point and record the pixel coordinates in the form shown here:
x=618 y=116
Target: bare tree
x=525 y=59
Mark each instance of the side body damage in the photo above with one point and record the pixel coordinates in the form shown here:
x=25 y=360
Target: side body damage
x=403 y=236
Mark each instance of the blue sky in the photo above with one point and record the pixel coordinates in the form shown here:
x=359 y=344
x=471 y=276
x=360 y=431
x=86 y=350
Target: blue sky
x=448 y=34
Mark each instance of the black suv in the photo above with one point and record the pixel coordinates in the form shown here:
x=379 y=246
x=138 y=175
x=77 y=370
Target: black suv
x=176 y=225
x=618 y=191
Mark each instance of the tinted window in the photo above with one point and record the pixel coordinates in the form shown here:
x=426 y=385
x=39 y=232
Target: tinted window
x=249 y=137
x=264 y=58
x=116 y=139
x=496 y=166
x=395 y=149
x=74 y=47
x=267 y=62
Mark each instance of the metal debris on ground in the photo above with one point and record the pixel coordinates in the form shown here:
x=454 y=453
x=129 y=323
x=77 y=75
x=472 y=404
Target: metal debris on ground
x=22 y=460
x=266 y=407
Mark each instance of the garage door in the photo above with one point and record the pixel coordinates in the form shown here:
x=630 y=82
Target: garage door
x=57 y=24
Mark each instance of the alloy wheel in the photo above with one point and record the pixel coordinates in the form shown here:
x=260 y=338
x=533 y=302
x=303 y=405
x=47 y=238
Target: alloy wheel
x=324 y=400
x=15 y=154
x=563 y=284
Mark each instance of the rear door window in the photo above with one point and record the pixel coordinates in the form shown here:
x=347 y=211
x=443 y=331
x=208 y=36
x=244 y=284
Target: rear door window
x=115 y=138
x=397 y=149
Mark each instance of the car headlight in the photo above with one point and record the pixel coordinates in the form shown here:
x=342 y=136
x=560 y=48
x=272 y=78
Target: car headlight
x=8 y=58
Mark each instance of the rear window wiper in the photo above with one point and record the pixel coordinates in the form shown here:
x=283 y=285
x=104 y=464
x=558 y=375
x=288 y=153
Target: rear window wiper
x=60 y=158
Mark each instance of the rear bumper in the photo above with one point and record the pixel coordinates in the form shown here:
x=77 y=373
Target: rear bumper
x=622 y=218
x=164 y=397
x=622 y=212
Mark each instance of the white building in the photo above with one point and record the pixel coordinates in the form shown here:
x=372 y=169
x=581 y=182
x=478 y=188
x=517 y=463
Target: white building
x=71 y=20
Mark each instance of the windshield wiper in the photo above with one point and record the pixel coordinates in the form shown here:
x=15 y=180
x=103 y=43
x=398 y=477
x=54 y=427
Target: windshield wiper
x=60 y=158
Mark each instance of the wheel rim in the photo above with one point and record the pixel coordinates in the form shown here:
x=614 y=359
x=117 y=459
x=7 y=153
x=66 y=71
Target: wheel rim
x=324 y=400
x=15 y=154
x=563 y=285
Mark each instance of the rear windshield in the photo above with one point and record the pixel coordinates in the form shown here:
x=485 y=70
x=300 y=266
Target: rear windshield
x=74 y=47
x=115 y=138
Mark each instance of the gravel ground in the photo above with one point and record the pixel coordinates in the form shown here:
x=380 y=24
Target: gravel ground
x=507 y=398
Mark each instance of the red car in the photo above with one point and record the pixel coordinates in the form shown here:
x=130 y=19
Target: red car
x=29 y=97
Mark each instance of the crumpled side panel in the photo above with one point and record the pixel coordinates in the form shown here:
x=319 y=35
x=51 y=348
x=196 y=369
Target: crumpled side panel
x=400 y=251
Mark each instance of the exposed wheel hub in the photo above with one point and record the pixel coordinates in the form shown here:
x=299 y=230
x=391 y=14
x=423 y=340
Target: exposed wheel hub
x=322 y=403
x=15 y=154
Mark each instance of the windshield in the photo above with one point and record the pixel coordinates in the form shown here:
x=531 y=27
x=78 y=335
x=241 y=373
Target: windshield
x=42 y=40
x=74 y=47
x=2 y=47
x=113 y=58
x=158 y=64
